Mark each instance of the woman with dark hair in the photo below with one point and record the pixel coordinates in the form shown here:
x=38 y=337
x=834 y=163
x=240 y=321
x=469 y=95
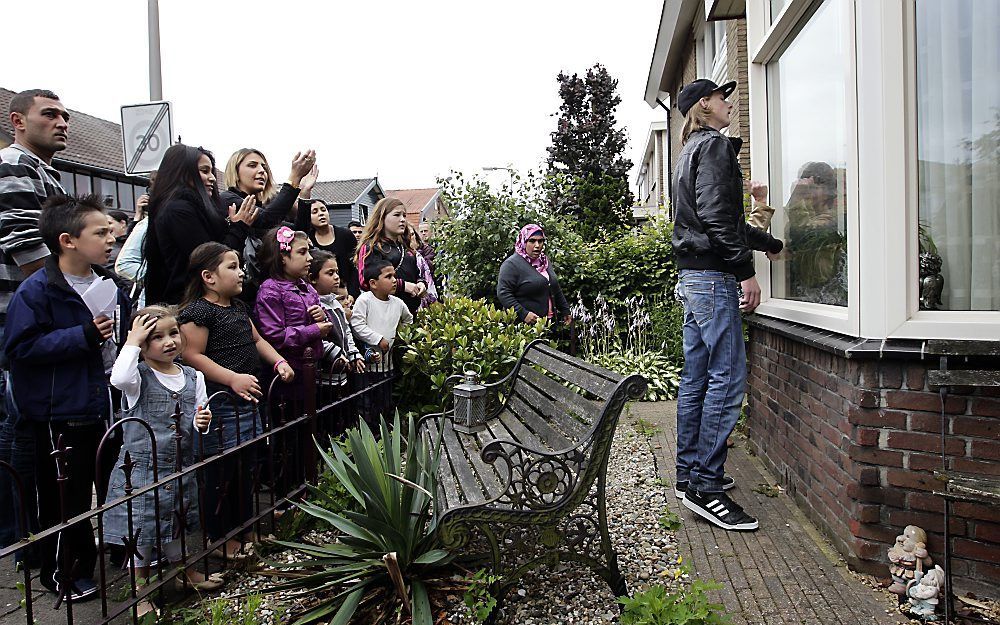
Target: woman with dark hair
x=313 y=218
x=184 y=213
x=386 y=238
x=528 y=282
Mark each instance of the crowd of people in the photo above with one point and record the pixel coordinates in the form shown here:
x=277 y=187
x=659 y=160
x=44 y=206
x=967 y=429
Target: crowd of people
x=201 y=300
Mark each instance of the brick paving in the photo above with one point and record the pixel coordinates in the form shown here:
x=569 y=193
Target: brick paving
x=785 y=572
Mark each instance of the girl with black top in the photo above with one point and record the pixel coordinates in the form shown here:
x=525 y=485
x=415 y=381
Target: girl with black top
x=184 y=212
x=249 y=175
x=313 y=218
x=222 y=343
x=386 y=238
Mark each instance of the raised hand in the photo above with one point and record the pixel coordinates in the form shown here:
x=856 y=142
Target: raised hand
x=302 y=164
x=308 y=182
x=141 y=328
x=246 y=213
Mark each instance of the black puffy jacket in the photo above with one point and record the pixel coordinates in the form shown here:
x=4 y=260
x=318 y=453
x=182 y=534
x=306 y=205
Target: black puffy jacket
x=710 y=230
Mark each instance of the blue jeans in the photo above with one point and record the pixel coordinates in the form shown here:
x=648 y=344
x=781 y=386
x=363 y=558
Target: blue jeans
x=713 y=381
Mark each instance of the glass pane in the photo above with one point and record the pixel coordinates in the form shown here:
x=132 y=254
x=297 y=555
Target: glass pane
x=126 y=201
x=106 y=190
x=82 y=184
x=807 y=125
x=66 y=178
x=776 y=6
x=958 y=153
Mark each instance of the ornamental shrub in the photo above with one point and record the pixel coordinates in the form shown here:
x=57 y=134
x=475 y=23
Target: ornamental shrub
x=454 y=335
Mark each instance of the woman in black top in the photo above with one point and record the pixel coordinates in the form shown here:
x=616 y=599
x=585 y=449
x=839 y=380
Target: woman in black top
x=385 y=238
x=248 y=174
x=528 y=282
x=184 y=212
x=313 y=218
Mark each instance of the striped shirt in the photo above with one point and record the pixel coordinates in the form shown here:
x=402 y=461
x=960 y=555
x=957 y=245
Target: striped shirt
x=25 y=183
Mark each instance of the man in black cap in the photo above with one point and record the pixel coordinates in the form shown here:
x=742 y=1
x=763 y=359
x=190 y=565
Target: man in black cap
x=713 y=244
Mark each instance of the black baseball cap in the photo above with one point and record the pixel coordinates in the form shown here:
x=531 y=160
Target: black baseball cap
x=698 y=89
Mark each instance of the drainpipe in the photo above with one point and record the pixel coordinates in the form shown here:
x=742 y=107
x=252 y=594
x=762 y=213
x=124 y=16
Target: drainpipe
x=670 y=169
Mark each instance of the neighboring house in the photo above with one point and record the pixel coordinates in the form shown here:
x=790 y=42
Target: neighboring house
x=349 y=199
x=92 y=161
x=874 y=124
x=421 y=204
x=653 y=181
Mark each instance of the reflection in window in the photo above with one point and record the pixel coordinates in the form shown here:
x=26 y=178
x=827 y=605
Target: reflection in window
x=808 y=158
x=82 y=184
x=958 y=153
x=776 y=6
x=105 y=189
x=66 y=179
x=126 y=201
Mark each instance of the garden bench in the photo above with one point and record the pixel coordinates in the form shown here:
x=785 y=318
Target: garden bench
x=529 y=488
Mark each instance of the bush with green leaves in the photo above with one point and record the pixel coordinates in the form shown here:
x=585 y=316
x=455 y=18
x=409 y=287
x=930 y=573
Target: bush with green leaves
x=454 y=335
x=386 y=555
x=689 y=606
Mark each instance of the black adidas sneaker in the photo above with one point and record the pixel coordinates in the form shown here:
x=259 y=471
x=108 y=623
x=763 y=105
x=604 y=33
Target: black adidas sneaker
x=720 y=510
x=681 y=487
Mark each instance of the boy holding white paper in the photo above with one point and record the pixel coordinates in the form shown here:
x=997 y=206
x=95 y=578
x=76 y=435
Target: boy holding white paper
x=61 y=332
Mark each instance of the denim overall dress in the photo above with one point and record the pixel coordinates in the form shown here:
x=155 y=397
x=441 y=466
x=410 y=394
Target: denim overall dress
x=156 y=405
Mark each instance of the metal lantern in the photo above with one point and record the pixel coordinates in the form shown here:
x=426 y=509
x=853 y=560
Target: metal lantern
x=470 y=404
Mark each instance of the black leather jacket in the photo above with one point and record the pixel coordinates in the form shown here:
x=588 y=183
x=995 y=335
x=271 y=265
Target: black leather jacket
x=710 y=230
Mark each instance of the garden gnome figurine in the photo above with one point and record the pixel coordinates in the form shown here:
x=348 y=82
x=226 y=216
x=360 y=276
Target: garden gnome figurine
x=910 y=548
x=923 y=591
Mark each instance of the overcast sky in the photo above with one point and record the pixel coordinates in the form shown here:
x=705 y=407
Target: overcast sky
x=404 y=90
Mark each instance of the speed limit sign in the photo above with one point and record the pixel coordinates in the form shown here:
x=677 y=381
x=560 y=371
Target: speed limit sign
x=146 y=133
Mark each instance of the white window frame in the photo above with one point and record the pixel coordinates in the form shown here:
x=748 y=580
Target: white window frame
x=764 y=40
x=882 y=177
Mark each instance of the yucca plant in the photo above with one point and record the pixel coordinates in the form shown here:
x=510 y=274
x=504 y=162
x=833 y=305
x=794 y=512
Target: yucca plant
x=386 y=552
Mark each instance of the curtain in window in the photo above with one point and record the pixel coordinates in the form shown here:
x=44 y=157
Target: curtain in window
x=958 y=146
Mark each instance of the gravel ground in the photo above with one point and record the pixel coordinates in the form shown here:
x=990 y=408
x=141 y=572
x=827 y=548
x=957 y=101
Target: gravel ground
x=568 y=594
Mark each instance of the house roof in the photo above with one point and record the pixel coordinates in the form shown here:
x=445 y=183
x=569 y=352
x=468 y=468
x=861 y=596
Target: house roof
x=671 y=37
x=93 y=142
x=345 y=191
x=416 y=201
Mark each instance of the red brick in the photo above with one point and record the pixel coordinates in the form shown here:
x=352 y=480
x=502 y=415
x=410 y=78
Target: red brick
x=988 y=572
x=979 y=467
x=976 y=511
x=923 y=462
x=925 y=501
x=990 y=532
x=929 y=521
x=867 y=550
x=985 y=407
x=925 y=422
x=915 y=377
x=867 y=476
x=867 y=437
x=930 y=443
x=912 y=479
x=868 y=513
x=867 y=399
x=877 y=494
x=985 y=552
x=985 y=450
x=928 y=402
x=876 y=456
x=983 y=427
x=876 y=418
x=891 y=375
x=871 y=531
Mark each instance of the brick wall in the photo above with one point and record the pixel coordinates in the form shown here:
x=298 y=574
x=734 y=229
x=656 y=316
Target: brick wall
x=737 y=68
x=855 y=442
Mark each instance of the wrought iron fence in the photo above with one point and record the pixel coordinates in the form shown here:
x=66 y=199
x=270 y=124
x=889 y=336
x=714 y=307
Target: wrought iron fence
x=251 y=480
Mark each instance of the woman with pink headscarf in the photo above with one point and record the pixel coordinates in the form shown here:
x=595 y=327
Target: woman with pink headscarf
x=528 y=282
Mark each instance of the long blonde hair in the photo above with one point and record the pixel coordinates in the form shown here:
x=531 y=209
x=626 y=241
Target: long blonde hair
x=374 y=232
x=695 y=120
x=232 y=177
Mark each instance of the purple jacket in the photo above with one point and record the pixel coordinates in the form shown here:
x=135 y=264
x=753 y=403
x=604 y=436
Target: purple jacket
x=284 y=322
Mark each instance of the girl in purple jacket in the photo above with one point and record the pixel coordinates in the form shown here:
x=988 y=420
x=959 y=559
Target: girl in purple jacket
x=289 y=315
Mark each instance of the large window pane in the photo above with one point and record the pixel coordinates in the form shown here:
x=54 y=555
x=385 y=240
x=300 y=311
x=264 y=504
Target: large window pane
x=66 y=179
x=105 y=189
x=958 y=153
x=776 y=6
x=807 y=142
x=82 y=184
x=126 y=200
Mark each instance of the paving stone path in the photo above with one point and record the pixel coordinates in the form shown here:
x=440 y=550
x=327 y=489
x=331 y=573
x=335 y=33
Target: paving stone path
x=785 y=572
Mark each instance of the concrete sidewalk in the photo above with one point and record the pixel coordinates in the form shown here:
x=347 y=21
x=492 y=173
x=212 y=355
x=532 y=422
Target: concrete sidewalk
x=785 y=572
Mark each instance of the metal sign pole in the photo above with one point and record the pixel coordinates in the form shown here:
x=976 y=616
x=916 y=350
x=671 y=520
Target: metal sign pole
x=155 y=79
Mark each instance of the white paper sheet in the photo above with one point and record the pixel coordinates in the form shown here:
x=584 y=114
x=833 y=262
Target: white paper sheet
x=102 y=298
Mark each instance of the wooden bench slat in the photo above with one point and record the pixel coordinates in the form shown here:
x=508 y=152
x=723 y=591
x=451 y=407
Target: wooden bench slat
x=536 y=421
x=593 y=383
x=487 y=473
x=552 y=413
x=580 y=411
x=484 y=438
x=944 y=347
x=446 y=479
x=579 y=363
x=518 y=432
x=471 y=491
x=962 y=377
